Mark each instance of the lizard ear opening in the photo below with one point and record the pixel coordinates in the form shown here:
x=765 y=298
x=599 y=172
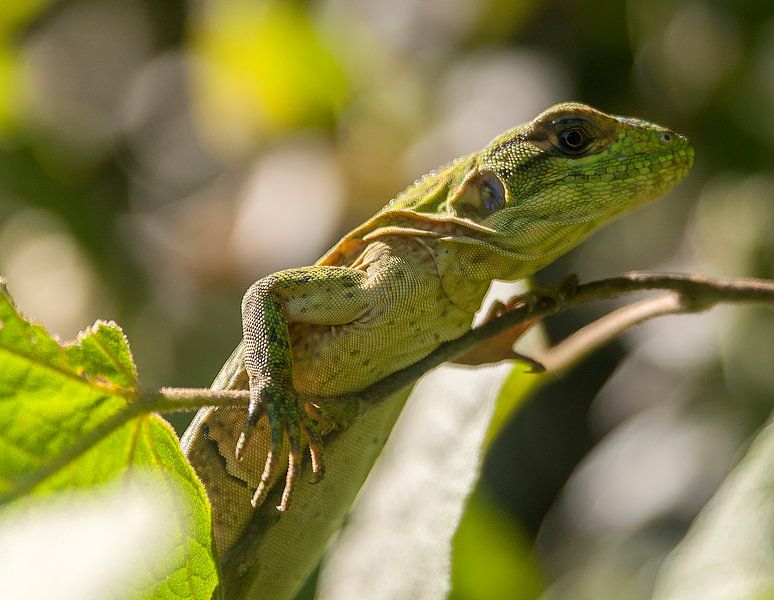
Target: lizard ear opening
x=480 y=194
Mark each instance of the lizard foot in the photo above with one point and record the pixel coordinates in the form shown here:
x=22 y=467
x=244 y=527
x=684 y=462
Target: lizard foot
x=289 y=421
x=500 y=347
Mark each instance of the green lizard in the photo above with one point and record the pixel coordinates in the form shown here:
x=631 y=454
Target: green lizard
x=396 y=287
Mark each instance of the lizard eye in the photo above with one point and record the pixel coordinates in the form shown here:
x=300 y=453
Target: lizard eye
x=492 y=192
x=573 y=140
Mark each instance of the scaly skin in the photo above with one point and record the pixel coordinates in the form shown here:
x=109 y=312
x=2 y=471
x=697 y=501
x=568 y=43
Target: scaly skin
x=411 y=278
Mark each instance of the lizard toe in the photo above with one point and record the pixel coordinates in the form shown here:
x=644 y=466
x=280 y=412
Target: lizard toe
x=272 y=464
x=293 y=431
x=255 y=410
x=314 y=439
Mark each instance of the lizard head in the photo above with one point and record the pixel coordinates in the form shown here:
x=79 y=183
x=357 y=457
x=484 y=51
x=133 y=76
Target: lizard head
x=569 y=170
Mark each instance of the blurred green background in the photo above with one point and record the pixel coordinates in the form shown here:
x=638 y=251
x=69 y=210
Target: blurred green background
x=157 y=156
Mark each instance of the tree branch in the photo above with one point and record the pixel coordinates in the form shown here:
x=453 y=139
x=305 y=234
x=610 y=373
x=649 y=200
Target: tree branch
x=689 y=293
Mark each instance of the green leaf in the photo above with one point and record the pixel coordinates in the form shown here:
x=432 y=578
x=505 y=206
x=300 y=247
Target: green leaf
x=419 y=488
x=71 y=418
x=492 y=556
x=728 y=553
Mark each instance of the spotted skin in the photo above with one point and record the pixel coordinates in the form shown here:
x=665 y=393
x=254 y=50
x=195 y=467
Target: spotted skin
x=395 y=288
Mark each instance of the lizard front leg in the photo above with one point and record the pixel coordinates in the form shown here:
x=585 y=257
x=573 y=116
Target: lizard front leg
x=319 y=295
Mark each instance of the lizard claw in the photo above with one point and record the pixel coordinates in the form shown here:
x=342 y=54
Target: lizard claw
x=314 y=437
x=272 y=463
x=291 y=424
x=254 y=414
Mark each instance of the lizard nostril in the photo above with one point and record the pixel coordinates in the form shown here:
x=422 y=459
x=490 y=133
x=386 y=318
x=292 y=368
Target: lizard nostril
x=665 y=138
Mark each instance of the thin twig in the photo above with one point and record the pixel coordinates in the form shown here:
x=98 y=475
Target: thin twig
x=580 y=344
x=170 y=399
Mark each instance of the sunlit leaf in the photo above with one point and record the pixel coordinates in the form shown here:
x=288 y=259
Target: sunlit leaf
x=53 y=399
x=97 y=543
